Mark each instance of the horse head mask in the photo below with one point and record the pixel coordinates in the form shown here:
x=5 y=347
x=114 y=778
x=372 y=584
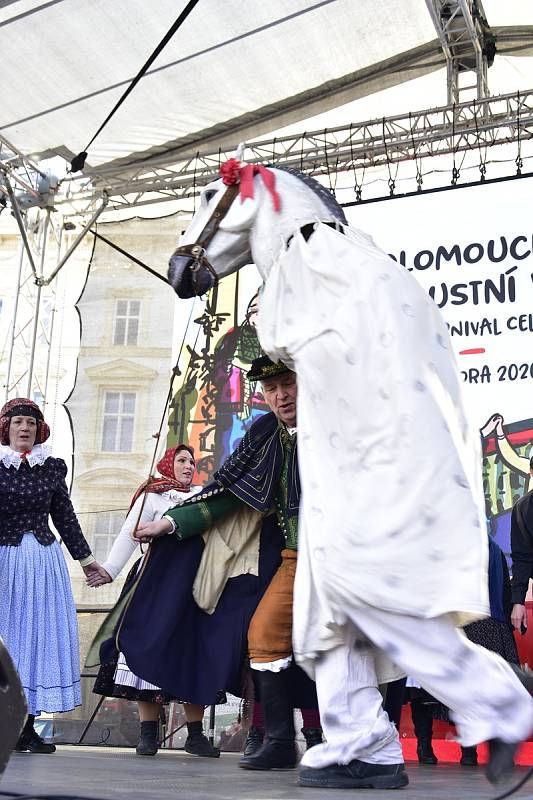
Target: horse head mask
x=223 y=230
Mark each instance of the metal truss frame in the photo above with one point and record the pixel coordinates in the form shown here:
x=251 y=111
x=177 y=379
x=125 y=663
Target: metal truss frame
x=458 y=127
x=466 y=40
x=39 y=223
x=31 y=329
x=24 y=171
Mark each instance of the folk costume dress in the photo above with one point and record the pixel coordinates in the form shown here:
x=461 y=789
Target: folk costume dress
x=183 y=626
x=149 y=503
x=37 y=610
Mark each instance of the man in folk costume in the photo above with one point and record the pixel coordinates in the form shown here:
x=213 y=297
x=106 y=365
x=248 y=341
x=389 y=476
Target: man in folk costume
x=183 y=626
x=270 y=633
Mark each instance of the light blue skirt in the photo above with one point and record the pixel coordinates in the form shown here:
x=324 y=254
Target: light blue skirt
x=38 y=624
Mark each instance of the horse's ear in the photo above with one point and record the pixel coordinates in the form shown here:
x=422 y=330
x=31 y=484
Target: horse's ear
x=241 y=215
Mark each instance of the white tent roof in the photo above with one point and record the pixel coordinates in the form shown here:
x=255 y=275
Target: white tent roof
x=235 y=70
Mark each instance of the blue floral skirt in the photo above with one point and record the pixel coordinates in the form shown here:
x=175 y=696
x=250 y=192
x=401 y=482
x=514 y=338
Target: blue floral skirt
x=38 y=624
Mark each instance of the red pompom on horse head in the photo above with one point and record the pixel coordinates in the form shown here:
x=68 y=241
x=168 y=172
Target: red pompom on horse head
x=232 y=172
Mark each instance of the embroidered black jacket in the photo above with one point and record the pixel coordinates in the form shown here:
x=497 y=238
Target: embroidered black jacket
x=252 y=472
x=29 y=496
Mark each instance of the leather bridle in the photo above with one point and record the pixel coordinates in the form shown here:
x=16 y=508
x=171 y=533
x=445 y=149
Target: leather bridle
x=197 y=250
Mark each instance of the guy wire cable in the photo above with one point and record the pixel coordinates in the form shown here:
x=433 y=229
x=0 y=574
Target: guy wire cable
x=157 y=436
x=516 y=787
x=78 y=162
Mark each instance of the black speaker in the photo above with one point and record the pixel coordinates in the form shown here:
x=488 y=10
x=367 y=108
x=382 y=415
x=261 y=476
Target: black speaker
x=12 y=707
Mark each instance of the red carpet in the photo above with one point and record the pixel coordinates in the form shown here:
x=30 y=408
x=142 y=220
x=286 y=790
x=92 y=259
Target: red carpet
x=449 y=751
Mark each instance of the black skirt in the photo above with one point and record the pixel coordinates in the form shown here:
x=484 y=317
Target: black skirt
x=170 y=642
x=105 y=680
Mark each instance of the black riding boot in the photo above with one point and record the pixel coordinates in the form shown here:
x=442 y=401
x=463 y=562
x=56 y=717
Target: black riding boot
x=30 y=741
x=197 y=744
x=423 y=724
x=148 y=744
x=279 y=749
x=469 y=756
x=312 y=737
x=254 y=741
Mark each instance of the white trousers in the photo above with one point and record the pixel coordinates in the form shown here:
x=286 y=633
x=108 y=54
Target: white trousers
x=484 y=696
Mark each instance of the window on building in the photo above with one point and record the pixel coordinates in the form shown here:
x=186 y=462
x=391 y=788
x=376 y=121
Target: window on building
x=119 y=416
x=106 y=527
x=127 y=316
x=38 y=397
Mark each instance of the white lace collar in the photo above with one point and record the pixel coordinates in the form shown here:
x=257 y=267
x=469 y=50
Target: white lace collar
x=181 y=494
x=12 y=458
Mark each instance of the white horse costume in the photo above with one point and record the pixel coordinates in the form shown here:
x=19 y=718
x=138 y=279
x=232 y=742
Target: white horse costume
x=392 y=539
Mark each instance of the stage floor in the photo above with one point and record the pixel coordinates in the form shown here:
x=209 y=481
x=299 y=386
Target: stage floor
x=117 y=773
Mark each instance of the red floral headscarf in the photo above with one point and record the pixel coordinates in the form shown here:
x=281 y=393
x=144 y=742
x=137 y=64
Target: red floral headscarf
x=165 y=467
x=23 y=407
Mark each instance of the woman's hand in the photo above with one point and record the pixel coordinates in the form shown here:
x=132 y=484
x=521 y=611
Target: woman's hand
x=151 y=530
x=518 y=617
x=96 y=575
x=493 y=425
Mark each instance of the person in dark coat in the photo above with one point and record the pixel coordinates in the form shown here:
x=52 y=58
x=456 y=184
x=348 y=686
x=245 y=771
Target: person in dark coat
x=522 y=555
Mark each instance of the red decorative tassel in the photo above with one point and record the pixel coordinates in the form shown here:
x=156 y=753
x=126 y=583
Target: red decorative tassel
x=232 y=172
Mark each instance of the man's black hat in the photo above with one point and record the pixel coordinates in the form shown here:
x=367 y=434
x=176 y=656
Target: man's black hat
x=263 y=368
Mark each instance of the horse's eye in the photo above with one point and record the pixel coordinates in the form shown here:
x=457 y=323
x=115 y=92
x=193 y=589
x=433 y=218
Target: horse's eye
x=209 y=195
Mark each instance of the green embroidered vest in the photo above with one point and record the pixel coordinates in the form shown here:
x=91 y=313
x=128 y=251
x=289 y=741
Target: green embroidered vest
x=289 y=525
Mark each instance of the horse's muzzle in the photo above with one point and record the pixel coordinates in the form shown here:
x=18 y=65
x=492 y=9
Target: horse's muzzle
x=188 y=275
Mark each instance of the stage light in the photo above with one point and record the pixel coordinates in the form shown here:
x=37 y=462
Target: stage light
x=12 y=707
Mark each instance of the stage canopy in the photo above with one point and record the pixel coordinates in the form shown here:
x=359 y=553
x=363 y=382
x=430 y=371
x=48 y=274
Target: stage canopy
x=233 y=71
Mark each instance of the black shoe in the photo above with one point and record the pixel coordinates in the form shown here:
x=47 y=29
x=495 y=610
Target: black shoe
x=425 y=752
x=422 y=716
x=148 y=742
x=501 y=754
x=468 y=756
x=272 y=755
x=355 y=775
x=501 y=760
x=199 y=745
x=31 y=742
x=254 y=741
x=312 y=736
x=525 y=678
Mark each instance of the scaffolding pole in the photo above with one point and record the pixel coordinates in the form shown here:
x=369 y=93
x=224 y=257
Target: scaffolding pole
x=12 y=335
x=37 y=307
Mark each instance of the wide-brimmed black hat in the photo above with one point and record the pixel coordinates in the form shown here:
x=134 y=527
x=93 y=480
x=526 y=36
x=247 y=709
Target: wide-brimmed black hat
x=263 y=368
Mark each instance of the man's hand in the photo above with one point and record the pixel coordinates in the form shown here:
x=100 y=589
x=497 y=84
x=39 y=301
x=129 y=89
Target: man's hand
x=518 y=617
x=96 y=575
x=151 y=530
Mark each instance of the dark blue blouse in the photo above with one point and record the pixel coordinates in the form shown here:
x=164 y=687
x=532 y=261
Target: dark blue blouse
x=29 y=496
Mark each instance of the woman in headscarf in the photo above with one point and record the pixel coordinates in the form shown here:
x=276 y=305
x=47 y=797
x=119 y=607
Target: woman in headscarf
x=151 y=500
x=37 y=611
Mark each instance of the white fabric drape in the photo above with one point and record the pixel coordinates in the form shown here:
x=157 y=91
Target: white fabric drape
x=391 y=512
